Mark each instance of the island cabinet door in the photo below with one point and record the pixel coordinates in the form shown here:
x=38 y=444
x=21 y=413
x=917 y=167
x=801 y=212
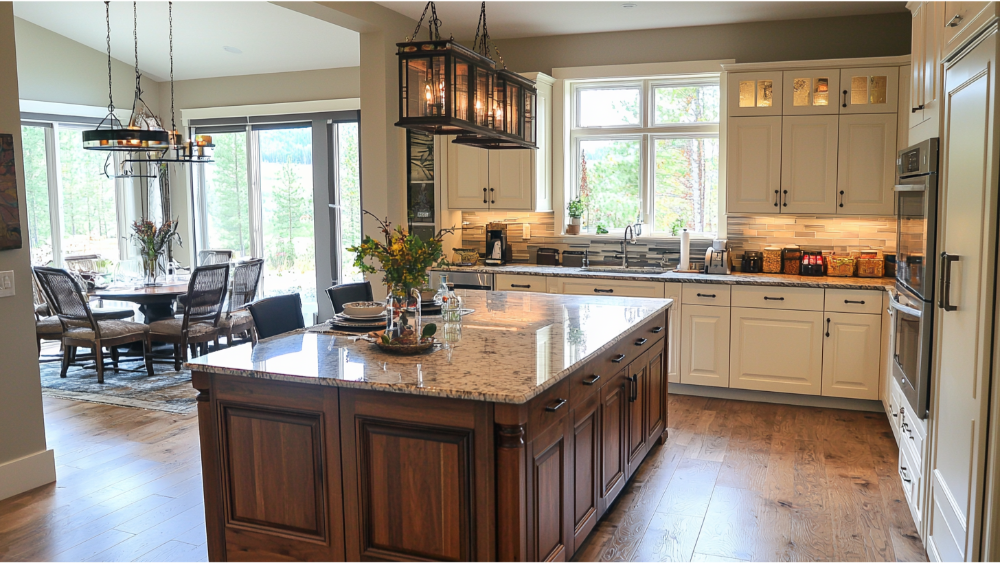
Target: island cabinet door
x=638 y=391
x=656 y=396
x=418 y=477
x=586 y=466
x=550 y=493
x=614 y=436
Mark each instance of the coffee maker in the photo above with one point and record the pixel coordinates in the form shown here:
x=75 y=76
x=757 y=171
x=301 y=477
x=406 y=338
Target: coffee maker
x=498 y=251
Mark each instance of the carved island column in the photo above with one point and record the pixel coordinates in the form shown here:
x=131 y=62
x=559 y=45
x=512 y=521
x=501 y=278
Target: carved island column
x=511 y=482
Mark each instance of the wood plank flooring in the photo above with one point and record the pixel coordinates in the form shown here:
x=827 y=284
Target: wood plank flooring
x=740 y=481
x=736 y=481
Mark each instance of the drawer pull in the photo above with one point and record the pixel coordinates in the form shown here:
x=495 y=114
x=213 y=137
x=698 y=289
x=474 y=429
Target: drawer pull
x=633 y=394
x=903 y=474
x=709 y=295
x=521 y=285
x=618 y=359
x=640 y=342
x=556 y=405
x=828 y=328
x=657 y=329
x=599 y=290
x=593 y=379
x=766 y=298
x=849 y=302
x=953 y=22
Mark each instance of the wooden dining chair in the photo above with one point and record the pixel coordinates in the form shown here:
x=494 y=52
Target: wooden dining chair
x=237 y=318
x=81 y=328
x=47 y=324
x=345 y=293
x=202 y=309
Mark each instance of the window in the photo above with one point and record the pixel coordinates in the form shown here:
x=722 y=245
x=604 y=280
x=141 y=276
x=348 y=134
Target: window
x=89 y=211
x=647 y=151
x=36 y=184
x=348 y=181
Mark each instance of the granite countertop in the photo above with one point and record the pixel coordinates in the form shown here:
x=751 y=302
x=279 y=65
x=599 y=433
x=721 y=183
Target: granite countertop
x=510 y=349
x=781 y=280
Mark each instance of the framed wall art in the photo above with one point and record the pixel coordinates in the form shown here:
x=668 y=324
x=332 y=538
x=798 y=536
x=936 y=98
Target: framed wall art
x=10 y=218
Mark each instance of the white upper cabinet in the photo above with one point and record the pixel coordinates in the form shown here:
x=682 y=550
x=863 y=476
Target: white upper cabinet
x=869 y=90
x=754 y=93
x=866 y=164
x=926 y=78
x=809 y=164
x=754 y=164
x=468 y=177
x=511 y=179
x=811 y=92
x=961 y=20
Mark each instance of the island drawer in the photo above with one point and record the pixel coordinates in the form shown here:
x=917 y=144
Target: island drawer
x=854 y=301
x=511 y=282
x=768 y=297
x=548 y=408
x=600 y=370
x=705 y=294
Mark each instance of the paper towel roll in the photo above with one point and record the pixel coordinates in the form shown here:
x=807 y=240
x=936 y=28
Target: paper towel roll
x=685 y=263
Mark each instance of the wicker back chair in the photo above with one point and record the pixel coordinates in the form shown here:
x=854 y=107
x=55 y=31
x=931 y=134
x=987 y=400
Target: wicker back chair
x=237 y=320
x=47 y=324
x=202 y=309
x=82 y=263
x=79 y=326
x=211 y=257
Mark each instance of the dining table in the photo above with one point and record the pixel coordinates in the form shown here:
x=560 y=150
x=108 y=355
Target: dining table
x=155 y=302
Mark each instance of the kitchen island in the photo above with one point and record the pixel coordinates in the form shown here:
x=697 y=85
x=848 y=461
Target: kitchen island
x=507 y=443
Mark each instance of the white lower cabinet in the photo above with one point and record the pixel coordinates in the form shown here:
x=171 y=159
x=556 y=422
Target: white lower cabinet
x=777 y=350
x=592 y=286
x=673 y=291
x=514 y=282
x=705 y=345
x=851 y=354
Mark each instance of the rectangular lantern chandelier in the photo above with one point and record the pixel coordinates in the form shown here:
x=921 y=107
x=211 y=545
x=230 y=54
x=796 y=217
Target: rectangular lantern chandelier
x=448 y=89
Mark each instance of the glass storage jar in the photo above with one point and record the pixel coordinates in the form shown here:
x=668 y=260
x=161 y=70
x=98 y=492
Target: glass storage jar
x=791 y=260
x=772 y=260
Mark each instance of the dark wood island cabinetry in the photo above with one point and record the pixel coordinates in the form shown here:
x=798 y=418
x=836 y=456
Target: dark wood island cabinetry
x=508 y=444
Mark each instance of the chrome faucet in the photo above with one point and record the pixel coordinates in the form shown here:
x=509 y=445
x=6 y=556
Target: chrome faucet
x=626 y=240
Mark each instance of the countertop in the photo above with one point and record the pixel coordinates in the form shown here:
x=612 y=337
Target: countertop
x=781 y=280
x=510 y=349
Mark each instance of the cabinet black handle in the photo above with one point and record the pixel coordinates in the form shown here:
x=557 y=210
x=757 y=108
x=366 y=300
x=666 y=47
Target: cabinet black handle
x=598 y=290
x=945 y=300
x=785 y=202
x=484 y=195
x=521 y=285
x=491 y=196
x=916 y=109
x=766 y=298
x=556 y=405
x=593 y=379
x=828 y=328
x=618 y=359
x=633 y=394
x=902 y=474
x=777 y=197
x=849 y=302
x=640 y=342
x=953 y=22
x=709 y=295
x=657 y=329
x=845 y=99
x=841 y=198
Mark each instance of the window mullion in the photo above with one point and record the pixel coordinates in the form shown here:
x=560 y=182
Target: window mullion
x=55 y=193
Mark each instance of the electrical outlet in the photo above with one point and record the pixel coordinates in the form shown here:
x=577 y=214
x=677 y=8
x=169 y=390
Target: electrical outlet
x=526 y=231
x=6 y=284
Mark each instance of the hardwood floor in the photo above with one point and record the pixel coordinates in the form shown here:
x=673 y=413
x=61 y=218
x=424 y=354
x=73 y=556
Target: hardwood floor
x=739 y=481
x=735 y=481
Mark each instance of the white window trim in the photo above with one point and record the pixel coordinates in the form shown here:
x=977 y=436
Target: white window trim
x=563 y=164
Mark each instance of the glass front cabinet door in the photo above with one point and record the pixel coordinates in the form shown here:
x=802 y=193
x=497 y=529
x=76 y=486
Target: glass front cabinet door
x=754 y=93
x=811 y=92
x=869 y=90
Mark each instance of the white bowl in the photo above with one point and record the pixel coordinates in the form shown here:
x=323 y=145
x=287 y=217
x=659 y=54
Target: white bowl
x=364 y=309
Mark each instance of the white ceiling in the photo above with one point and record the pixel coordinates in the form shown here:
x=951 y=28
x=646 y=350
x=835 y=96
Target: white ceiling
x=533 y=19
x=271 y=38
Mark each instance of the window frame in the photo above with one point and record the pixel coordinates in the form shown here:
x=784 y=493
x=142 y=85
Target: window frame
x=648 y=131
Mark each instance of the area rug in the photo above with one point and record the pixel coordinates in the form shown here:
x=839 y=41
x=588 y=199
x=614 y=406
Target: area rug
x=167 y=391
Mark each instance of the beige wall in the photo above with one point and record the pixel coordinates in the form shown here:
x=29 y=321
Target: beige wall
x=301 y=86
x=53 y=68
x=822 y=38
x=22 y=430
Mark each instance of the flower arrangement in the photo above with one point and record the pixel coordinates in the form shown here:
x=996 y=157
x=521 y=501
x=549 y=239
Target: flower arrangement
x=403 y=258
x=152 y=242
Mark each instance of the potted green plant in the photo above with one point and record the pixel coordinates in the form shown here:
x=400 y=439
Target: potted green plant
x=576 y=209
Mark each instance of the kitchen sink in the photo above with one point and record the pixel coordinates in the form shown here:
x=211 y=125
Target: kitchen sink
x=632 y=270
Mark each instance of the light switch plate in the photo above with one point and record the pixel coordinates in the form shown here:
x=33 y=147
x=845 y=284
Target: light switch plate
x=7 y=284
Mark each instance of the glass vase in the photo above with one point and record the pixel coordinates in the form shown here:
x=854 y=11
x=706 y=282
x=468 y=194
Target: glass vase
x=403 y=323
x=150 y=269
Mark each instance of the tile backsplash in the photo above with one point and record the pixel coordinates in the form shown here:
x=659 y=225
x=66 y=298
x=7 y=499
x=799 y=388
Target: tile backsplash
x=839 y=234
x=745 y=232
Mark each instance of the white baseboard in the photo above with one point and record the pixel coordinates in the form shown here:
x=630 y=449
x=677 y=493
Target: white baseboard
x=27 y=473
x=779 y=398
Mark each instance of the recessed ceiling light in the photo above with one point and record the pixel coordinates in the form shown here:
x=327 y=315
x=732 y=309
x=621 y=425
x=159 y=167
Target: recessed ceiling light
x=629 y=5
x=232 y=50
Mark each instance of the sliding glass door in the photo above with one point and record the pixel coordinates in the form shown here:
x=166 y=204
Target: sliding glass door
x=89 y=207
x=36 y=184
x=348 y=166
x=227 y=212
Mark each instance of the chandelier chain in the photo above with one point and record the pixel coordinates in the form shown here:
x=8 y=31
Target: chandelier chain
x=107 y=21
x=433 y=24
